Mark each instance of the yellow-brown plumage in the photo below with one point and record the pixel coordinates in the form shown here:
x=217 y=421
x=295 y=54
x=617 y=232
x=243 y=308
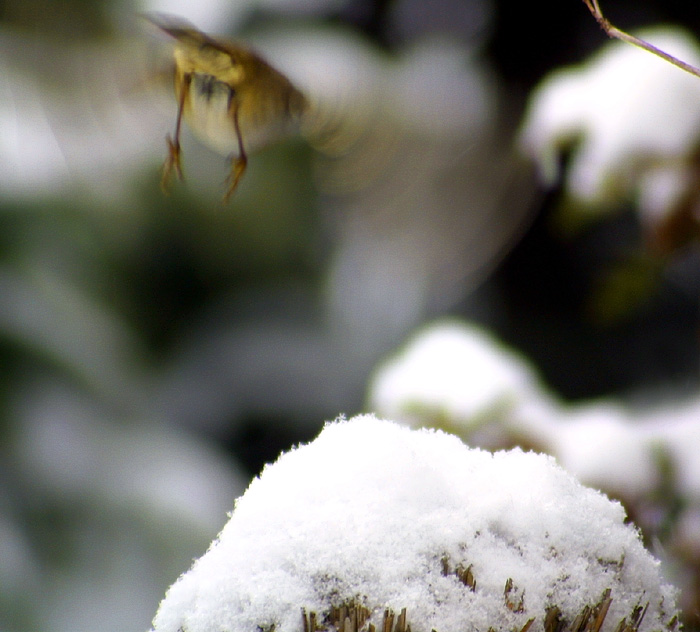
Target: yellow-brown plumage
x=229 y=96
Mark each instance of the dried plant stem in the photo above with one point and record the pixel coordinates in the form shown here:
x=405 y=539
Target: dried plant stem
x=613 y=31
x=353 y=617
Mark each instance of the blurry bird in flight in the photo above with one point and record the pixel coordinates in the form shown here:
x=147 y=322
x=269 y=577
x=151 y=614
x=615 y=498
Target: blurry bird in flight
x=230 y=97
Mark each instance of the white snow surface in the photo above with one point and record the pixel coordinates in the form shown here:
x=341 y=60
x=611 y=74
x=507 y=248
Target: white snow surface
x=633 y=113
x=368 y=511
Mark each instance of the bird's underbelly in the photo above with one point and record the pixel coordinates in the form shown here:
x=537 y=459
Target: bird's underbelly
x=210 y=115
x=210 y=111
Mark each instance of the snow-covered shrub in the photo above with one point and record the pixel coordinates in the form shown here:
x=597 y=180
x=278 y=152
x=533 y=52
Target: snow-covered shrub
x=376 y=526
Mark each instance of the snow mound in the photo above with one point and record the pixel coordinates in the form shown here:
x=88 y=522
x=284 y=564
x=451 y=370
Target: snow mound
x=379 y=517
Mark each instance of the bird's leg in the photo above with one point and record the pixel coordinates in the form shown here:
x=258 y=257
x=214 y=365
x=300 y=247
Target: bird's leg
x=239 y=163
x=172 y=161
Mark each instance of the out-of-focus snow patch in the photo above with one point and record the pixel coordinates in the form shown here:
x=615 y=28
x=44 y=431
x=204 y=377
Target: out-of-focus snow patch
x=600 y=445
x=67 y=448
x=213 y=16
x=40 y=308
x=457 y=376
x=116 y=506
x=302 y=7
x=30 y=156
x=381 y=516
x=85 y=127
x=623 y=112
x=624 y=451
x=441 y=91
x=676 y=429
x=220 y=17
x=453 y=372
x=661 y=189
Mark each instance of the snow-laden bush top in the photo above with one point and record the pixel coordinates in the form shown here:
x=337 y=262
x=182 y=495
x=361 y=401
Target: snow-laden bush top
x=377 y=515
x=627 y=114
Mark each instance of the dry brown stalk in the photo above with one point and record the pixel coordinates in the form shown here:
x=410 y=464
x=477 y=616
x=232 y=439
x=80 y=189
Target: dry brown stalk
x=511 y=604
x=354 y=617
x=613 y=31
x=466 y=576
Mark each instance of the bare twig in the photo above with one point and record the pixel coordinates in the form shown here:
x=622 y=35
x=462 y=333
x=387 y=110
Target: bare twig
x=613 y=31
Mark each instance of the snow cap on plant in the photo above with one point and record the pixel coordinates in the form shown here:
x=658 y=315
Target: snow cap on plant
x=628 y=116
x=374 y=526
x=455 y=375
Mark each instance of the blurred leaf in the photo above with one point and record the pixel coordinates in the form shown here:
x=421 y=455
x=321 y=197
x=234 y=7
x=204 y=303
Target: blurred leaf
x=624 y=289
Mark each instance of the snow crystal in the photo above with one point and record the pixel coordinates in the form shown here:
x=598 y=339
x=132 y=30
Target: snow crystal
x=381 y=516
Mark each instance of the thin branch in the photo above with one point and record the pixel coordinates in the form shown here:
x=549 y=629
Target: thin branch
x=612 y=31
